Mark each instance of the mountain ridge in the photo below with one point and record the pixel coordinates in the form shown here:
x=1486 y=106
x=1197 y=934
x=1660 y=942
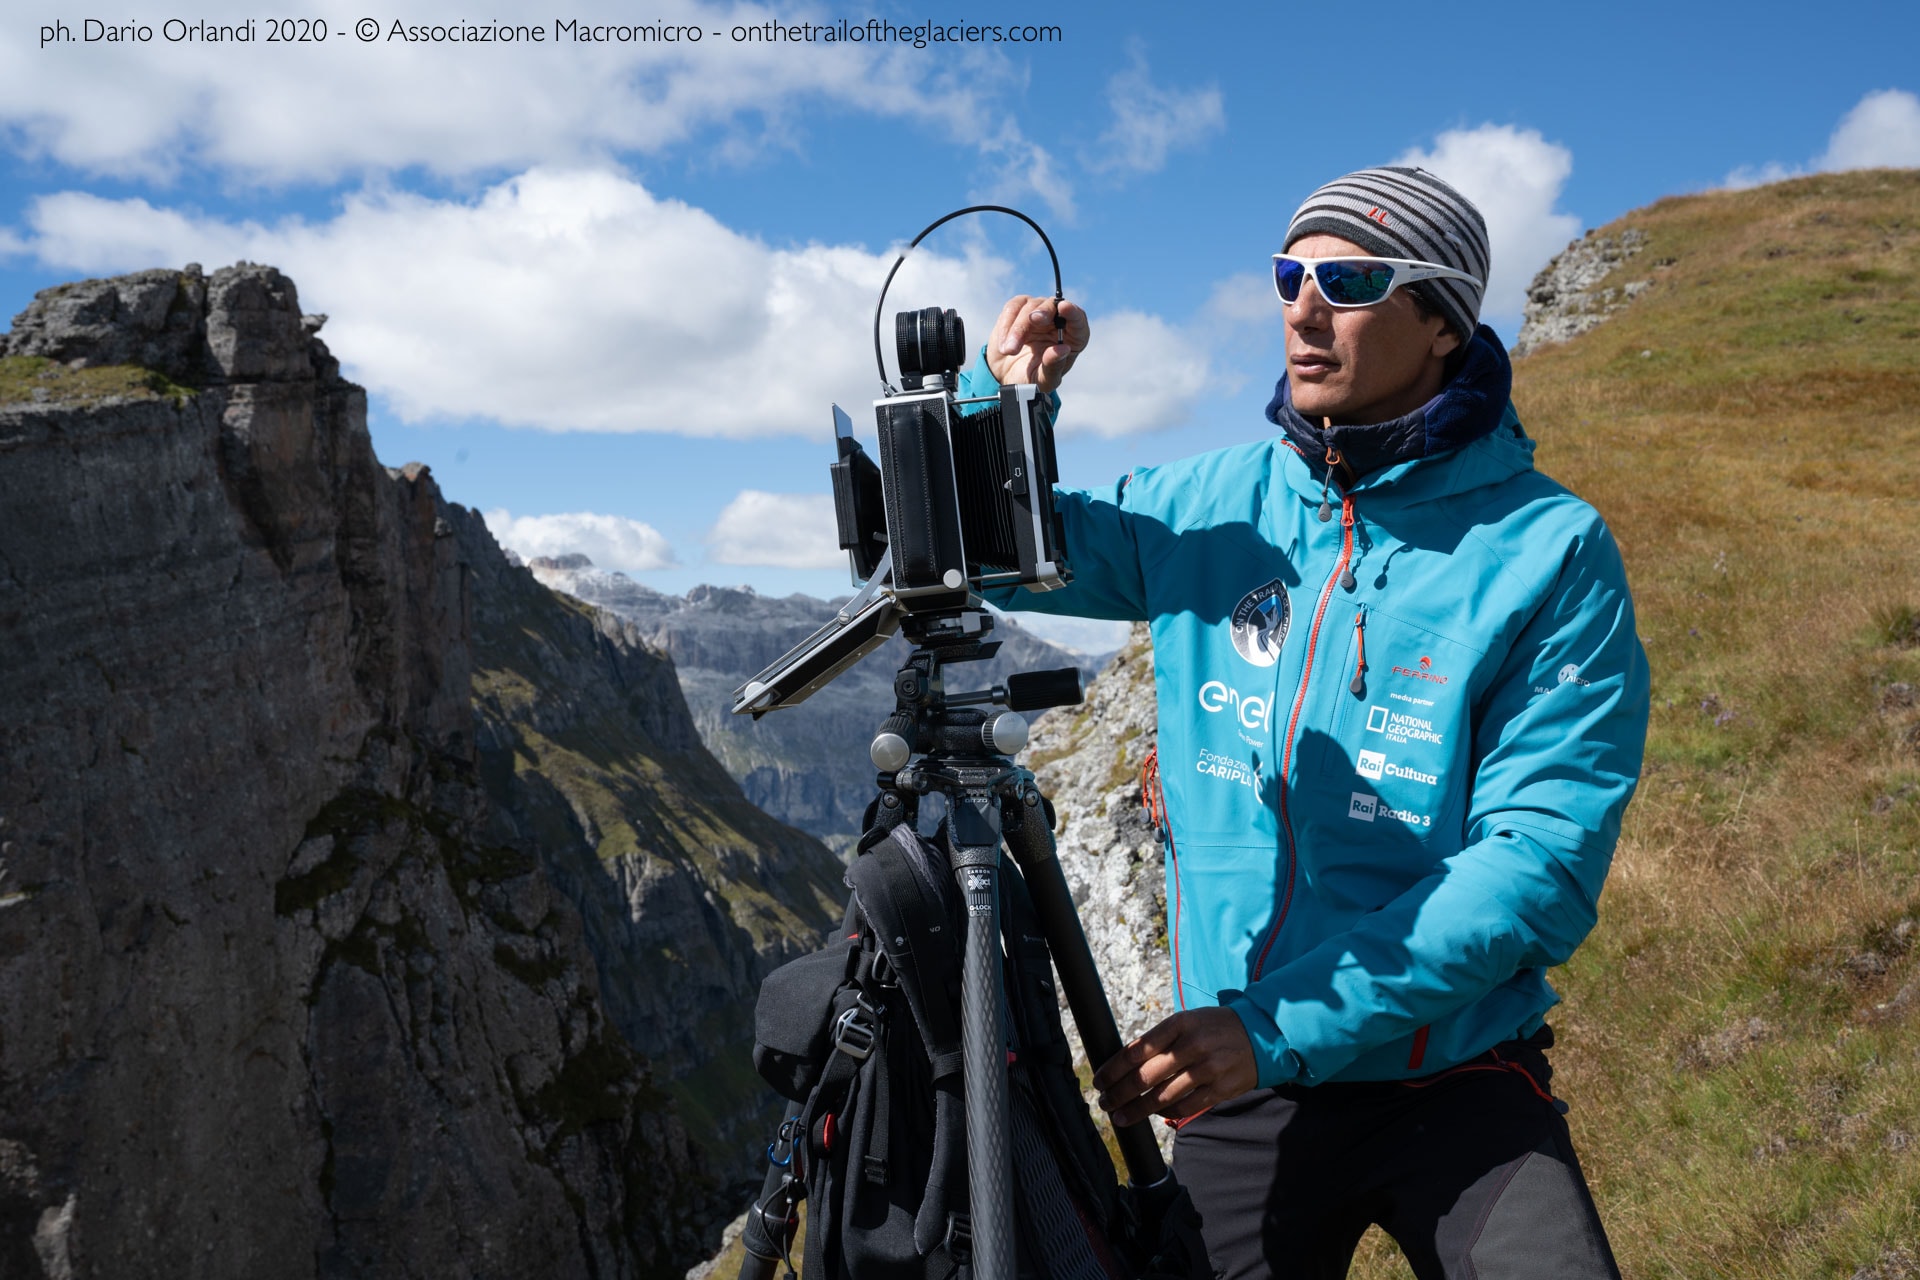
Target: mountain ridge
x=806 y=765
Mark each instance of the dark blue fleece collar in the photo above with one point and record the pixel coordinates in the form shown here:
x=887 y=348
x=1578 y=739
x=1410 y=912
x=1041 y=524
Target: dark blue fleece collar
x=1468 y=407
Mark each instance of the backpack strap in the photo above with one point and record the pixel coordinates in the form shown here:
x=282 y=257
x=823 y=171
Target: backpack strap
x=1046 y=1067
x=912 y=924
x=854 y=1034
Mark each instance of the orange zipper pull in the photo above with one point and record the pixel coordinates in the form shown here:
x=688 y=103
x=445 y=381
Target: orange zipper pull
x=1326 y=508
x=1359 y=684
x=1347 y=581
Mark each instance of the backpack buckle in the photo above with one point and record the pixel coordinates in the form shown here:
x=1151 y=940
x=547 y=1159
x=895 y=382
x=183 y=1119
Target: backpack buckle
x=853 y=1035
x=959 y=1239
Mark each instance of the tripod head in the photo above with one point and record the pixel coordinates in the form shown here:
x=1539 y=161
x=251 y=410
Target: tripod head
x=927 y=720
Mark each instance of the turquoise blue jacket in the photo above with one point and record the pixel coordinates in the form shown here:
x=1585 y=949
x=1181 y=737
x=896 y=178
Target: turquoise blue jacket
x=1396 y=744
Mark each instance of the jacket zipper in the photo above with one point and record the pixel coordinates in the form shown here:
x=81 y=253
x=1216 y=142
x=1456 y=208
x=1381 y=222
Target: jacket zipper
x=1293 y=723
x=1154 y=798
x=1358 y=685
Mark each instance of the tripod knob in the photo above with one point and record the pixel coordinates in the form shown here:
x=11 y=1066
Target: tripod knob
x=890 y=749
x=1005 y=733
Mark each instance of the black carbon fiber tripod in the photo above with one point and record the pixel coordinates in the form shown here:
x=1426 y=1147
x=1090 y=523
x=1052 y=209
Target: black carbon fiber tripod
x=960 y=747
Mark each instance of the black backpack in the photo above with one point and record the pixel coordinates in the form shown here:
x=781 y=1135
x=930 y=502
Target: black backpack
x=863 y=1038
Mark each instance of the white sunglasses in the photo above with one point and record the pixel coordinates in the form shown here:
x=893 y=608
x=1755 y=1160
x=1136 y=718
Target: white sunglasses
x=1355 y=281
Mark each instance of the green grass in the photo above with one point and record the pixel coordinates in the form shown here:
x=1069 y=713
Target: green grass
x=31 y=379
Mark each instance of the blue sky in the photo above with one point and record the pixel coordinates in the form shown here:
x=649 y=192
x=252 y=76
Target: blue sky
x=610 y=289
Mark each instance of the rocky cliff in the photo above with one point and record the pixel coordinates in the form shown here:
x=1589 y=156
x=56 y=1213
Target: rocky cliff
x=690 y=895
x=294 y=975
x=806 y=765
x=1088 y=760
x=1570 y=295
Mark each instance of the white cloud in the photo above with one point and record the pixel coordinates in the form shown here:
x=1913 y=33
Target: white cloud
x=1140 y=373
x=322 y=112
x=1149 y=121
x=1748 y=175
x=778 y=530
x=577 y=300
x=1514 y=176
x=1019 y=167
x=559 y=299
x=611 y=542
x=1882 y=131
x=1243 y=300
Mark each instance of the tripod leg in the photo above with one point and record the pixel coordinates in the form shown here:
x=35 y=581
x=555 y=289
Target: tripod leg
x=975 y=828
x=768 y=1240
x=1031 y=840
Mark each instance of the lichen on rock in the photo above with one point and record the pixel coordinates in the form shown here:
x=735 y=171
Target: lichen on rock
x=1565 y=299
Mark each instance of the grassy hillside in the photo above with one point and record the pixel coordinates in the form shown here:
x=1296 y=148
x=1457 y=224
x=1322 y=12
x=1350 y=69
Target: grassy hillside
x=1741 y=1036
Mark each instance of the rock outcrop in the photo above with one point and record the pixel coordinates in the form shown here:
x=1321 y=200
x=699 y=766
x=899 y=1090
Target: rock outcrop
x=283 y=988
x=1088 y=760
x=1565 y=299
x=806 y=765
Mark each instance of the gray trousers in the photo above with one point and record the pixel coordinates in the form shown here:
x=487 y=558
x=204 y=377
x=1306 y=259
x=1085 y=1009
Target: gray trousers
x=1471 y=1171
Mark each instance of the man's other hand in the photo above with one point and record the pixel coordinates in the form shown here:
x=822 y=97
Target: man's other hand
x=1026 y=343
x=1180 y=1068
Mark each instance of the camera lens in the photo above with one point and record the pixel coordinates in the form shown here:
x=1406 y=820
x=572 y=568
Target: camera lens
x=929 y=341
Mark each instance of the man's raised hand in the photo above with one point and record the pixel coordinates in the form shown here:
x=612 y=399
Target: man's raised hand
x=1026 y=343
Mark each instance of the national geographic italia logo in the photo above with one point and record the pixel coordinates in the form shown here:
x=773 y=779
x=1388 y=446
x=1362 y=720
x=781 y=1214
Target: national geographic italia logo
x=1260 y=623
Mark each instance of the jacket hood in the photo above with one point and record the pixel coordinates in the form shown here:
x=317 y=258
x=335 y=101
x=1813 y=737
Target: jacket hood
x=1470 y=406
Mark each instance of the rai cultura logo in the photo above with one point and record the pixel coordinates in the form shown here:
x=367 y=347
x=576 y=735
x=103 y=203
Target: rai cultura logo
x=1260 y=623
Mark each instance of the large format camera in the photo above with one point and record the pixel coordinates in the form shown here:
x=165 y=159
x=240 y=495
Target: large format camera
x=963 y=493
x=959 y=502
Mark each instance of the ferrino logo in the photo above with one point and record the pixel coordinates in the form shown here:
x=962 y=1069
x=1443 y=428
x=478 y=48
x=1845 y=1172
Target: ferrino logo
x=1260 y=623
x=1251 y=712
x=1425 y=671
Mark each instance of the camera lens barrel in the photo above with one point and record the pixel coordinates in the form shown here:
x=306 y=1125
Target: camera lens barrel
x=929 y=341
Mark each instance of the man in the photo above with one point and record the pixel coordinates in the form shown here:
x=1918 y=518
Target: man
x=1422 y=654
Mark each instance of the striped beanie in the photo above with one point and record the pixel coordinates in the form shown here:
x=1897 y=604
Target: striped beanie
x=1399 y=212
